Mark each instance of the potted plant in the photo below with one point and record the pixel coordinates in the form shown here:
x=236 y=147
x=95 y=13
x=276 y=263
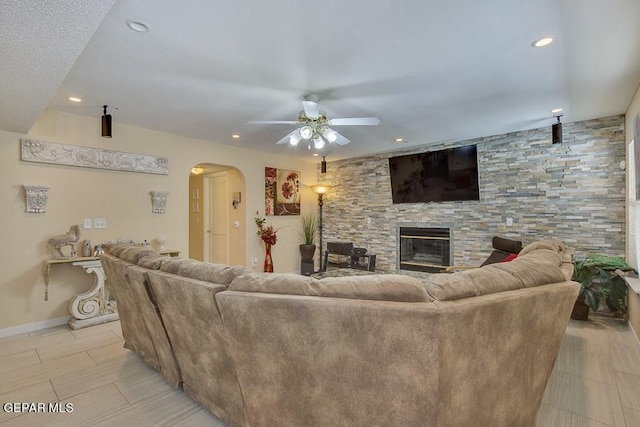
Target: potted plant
x=600 y=276
x=309 y=233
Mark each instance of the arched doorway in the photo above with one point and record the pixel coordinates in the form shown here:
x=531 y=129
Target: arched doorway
x=217 y=229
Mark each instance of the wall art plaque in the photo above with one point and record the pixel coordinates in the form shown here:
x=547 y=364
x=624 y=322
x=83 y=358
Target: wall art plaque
x=33 y=150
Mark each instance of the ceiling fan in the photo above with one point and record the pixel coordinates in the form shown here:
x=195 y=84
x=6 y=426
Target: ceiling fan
x=314 y=126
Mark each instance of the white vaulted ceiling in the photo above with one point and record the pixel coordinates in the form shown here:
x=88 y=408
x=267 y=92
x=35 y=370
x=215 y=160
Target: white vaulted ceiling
x=430 y=70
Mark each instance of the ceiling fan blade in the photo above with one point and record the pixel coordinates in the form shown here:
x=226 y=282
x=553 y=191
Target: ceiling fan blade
x=355 y=121
x=311 y=109
x=272 y=122
x=341 y=140
x=285 y=138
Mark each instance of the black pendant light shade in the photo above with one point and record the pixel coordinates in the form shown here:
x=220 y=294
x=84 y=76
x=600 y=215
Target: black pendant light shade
x=323 y=165
x=106 y=123
x=556 y=132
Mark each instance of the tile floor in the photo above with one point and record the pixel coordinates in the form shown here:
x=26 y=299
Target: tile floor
x=596 y=380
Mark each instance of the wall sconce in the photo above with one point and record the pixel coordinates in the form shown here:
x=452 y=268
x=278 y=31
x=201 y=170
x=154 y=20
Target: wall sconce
x=106 y=123
x=36 y=198
x=556 y=131
x=321 y=190
x=237 y=198
x=159 y=201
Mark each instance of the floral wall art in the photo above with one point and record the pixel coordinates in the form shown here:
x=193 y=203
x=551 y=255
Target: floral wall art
x=281 y=192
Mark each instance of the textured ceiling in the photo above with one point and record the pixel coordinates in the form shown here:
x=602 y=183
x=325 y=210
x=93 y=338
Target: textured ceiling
x=39 y=43
x=430 y=70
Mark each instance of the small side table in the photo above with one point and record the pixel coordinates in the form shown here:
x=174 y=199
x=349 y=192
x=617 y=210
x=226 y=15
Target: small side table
x=91 y=307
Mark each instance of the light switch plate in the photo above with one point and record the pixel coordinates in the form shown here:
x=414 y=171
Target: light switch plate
x=87 y=223
x=99 y=223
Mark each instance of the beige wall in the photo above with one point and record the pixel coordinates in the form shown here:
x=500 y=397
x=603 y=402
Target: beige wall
x=123 y=199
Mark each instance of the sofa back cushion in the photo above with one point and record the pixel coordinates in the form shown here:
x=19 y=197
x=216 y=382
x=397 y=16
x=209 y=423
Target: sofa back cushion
x=173 y=264
x=387 y=287
x=537 y=264
x=152 y=262
x=131 y=253
x=206 y=271
x=209 y=272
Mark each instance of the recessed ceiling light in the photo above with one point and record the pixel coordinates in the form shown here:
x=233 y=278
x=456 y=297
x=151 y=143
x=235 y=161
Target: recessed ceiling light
x=315 y=154
x=399 y=140
x=137 y=26
x=74 y=99
x=556 y=110
x=545 y=41
x=235 y=136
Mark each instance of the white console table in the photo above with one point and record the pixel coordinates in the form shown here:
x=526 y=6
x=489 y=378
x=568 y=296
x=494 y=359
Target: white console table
x=93 y=306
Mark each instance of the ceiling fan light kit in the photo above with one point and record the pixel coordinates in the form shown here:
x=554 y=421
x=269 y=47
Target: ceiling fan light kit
x=306 y=132
x=314 y=126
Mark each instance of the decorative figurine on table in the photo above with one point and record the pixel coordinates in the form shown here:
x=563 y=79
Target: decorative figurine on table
x=98 y=250
x=86 y=248
x=70 y=238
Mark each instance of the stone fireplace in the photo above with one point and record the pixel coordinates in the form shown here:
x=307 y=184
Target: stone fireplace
x=427 y=249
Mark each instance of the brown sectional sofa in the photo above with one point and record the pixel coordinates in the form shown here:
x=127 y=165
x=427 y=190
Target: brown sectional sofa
x=257 y=349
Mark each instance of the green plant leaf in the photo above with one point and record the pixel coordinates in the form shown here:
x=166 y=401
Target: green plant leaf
x=309 y=228
x=592 y=298
x=599 y=277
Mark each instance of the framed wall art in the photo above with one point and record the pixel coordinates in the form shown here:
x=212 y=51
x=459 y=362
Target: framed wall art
x=281 y=192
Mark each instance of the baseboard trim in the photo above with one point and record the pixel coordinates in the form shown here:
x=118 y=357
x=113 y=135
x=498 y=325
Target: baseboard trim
x=634 y=332
x=36 y=326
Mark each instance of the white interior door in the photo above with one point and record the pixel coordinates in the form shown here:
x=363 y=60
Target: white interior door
x=217 y=218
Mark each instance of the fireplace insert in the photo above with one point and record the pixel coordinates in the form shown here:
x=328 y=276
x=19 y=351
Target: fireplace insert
x=424 y=249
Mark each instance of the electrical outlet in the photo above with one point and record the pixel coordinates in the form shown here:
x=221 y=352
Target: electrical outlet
x=100 y=223
x=87 y=223
x=509 y=222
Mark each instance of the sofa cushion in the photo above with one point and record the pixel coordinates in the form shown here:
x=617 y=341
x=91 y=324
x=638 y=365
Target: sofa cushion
x=114 y=250
x=173 y=264
x=215 y=273
x=134 y=253
x=553 y=245
x=388 y=287
x=153 y=262
x=446 y=286
x=382 y=287
x=544 y=256
x=275 y=283
x=470 y=283
x=532 y=272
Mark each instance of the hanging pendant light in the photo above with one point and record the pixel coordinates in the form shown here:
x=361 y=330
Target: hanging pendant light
x=106 y=123
x=556 y=131
x=323 y=165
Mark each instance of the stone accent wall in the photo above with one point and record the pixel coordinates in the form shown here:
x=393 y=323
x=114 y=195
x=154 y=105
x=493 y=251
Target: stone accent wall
x=574 y=191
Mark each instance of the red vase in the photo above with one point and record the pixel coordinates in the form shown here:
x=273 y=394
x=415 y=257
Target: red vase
x=268 y=262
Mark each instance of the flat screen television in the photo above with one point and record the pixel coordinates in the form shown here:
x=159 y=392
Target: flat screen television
x=435 y=176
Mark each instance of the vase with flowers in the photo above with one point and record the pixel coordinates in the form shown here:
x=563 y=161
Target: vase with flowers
x=269 y=236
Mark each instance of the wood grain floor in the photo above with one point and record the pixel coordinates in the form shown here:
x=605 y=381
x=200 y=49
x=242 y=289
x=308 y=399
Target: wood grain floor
x=596 y=380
